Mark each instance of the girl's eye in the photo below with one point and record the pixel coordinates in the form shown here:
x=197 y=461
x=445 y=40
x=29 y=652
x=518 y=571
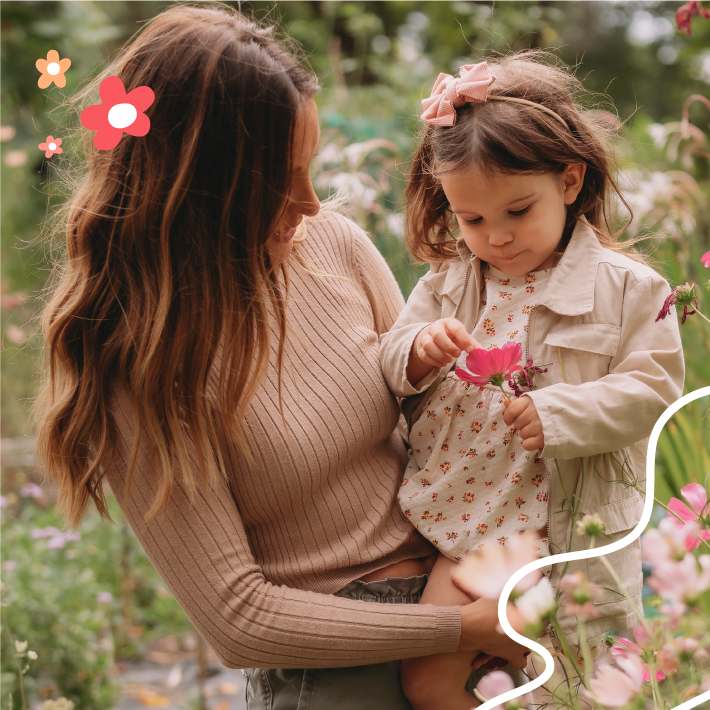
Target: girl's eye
x=519 y=213
x=472 y=221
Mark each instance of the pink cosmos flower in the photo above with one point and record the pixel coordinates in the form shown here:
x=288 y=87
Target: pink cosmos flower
x=118 y=113
x=579 y=594
x=682 y=583
x=614 y=688
x=705 y=258
x=522 y=381
x=680 y=296
x=685 y=12
x=697 y=496
x=496 y=683
x=485 y=573
x=624 y=648
x=51 y=146
x=671 y=540
x=491 y=367
x=31 y=490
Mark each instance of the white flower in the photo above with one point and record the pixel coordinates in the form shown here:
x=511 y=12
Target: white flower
x=20 y=646
x=590 y=524
x=32 y=655
x=485 y=574
x=538 y=602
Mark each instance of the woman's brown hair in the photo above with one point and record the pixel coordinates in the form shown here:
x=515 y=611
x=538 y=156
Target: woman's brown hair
x=505 y=137
x=167 y=275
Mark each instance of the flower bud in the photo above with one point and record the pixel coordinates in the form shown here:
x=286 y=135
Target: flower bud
x=591 y=525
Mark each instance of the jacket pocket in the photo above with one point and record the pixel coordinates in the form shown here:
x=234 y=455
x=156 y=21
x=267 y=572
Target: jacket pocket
x=597 y=338
x=620 y=518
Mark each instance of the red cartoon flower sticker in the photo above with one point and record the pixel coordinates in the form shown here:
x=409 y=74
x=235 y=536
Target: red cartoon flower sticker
x=118 y=114
x=51 y=146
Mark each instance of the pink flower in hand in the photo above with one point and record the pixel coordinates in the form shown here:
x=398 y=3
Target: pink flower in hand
x=697 y=496
x=705 y=258
x=612 y=687
x=118 y=113
x=495 y=684
x=492 y=366
x=51 y=146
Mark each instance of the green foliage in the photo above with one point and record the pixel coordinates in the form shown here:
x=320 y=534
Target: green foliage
x=79 y=603
x=684 y=450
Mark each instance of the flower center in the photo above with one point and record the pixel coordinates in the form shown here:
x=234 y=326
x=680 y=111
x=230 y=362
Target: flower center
x=53 y=68
x=122 y=115
x=52 y=146
x=498 y=379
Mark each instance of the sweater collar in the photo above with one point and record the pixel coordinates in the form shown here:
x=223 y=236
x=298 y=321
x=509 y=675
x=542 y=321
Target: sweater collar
x=570 y=290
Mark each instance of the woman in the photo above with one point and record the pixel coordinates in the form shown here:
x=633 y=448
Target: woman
x=225 y=380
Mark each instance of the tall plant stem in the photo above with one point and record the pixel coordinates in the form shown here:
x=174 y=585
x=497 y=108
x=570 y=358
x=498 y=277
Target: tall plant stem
x=625 y=593
x=567 y=651
x=17 y=659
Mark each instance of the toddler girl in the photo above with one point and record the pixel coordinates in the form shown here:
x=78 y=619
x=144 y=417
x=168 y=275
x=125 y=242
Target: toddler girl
x=509 y=157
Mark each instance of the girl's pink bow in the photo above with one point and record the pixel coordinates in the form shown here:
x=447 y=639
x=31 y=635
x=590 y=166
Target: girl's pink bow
x=448 y=92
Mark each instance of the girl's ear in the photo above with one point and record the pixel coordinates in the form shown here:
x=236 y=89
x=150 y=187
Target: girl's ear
x=572 y=180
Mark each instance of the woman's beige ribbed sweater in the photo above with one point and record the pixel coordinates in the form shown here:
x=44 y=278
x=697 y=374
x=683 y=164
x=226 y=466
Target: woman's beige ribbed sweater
x=254 y=563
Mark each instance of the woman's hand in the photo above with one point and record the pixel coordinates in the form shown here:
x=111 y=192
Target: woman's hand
x=480 y=631
x=521 y=414
x=436 y=345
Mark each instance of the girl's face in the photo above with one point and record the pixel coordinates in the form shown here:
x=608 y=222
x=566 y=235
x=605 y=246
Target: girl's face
x=513 y=222
x=302 y=200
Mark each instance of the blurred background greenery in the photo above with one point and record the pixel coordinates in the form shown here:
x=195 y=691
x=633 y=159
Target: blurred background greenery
x=375 y=60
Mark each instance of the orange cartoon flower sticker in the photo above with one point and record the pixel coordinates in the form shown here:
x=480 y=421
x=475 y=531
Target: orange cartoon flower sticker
x=52 y=69
x=51 y=146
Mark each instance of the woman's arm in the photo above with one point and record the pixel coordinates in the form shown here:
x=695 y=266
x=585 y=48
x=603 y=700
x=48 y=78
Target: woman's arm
x=201 y=551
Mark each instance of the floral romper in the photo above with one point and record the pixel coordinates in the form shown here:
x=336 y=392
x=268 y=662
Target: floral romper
x=469 y=482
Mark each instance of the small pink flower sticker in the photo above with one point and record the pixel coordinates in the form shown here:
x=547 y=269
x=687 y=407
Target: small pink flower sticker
x=118 y=113
x=705 y=258
x=51 y=146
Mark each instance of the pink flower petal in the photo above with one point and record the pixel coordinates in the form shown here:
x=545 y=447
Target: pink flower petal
x=139 y=127
x=112 y=92
x=705 y=258
x=681 y=509
x=641 y=634
x=94 y=117
x=696 y=495
x=141 y=98
x=107 y=137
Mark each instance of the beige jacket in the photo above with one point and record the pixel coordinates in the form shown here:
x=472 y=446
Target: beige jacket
x=611 y=372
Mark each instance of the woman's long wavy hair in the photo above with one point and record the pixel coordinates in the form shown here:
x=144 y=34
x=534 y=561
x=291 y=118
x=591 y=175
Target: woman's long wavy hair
x=166 y=273
x=504 y=138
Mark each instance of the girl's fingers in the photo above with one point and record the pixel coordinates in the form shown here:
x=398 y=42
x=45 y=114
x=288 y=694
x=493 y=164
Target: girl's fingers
x=458 y=334
x=442 y=340
x=534 y=443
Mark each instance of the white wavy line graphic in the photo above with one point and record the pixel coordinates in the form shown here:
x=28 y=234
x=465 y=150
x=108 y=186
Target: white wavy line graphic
x=586 y=554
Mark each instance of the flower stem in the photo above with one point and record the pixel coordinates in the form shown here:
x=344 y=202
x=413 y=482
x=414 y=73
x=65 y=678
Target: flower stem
x=702 y=315
x=623 y=590
x=567 y=651
x=505 y=393
x=19 y=664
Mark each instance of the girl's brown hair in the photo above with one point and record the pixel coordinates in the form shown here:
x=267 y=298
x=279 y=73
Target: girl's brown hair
x=507 y=137
x=167 y=275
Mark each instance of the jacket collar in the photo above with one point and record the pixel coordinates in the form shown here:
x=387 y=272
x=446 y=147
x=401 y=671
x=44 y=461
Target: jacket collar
x=570 y=290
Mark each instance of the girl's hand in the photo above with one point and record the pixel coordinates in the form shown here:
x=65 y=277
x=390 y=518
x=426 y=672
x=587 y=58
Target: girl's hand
x=436 y=346
x=480 y=631
x=521 y=414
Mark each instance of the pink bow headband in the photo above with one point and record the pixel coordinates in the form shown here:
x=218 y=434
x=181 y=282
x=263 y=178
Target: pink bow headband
x=470 y=86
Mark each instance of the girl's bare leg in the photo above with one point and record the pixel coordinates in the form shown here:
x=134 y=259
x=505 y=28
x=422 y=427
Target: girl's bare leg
x=438 y=682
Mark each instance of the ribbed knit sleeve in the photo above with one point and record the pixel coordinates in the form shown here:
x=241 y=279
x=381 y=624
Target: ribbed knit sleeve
x=254 y=561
